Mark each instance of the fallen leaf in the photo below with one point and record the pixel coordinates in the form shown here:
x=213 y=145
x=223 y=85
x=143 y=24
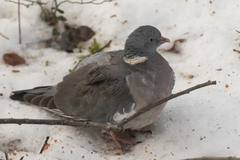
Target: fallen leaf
x=111 y=147
x=118 y=153
x=15 y=71
x=13 y=59
x=46 y=146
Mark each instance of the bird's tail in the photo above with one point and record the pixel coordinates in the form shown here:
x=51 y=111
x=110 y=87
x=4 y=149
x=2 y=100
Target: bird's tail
x=39 y=96
x=42 y=97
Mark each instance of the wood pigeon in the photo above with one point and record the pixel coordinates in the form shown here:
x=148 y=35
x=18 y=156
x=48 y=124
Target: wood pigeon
x=108 y=87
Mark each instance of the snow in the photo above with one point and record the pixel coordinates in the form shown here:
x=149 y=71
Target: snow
x=202 y=123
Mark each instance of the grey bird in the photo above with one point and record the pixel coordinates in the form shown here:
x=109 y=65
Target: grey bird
x=108 y=87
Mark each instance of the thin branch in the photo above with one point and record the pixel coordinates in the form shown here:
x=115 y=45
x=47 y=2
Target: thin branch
x=65 y=121
x=236 y=50
x=121 y=124
x=118 y=127
x=44 y=145
x=4 y=36
x=213 y=158
x=106 y=45
x=27 y=5
x=19 y=23
x=90 y=2
x=6 y=155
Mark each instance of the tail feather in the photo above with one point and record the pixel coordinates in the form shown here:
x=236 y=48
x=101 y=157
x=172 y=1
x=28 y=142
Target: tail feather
x=44 y=90
x=44 y=102
x=28 y=97
x=51 y=104
x=42 y=97
x=36 y=100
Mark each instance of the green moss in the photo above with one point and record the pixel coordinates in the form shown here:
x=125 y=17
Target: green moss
x=95 y=46
x=47 y=63
x=80 y=48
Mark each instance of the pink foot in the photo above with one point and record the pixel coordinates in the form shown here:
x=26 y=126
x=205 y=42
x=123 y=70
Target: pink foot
x=117 y=139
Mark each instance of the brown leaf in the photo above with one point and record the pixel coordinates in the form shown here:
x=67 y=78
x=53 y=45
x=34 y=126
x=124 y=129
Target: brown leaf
x=46 y=146
x=118 y=153
x=85 y=33
x=15 y=71
x=13 y=59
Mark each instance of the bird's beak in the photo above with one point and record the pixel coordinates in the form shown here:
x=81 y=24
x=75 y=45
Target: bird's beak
x=164 y=40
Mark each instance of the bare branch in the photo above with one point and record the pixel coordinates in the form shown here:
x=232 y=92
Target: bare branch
x=236 y=50
x=118 y=127
x=121 y=124
x=44 y=145
x=6 y=155
x=4 y=36
x=19 y=23
x=213 y=158
x=89 y=2
x=65 y=121
x=106 y=45
x=37 y=2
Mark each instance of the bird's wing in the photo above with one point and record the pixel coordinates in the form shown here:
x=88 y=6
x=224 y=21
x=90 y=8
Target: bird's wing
x=96 y=92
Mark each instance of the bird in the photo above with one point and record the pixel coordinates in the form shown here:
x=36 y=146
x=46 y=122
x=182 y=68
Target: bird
x=108 y=87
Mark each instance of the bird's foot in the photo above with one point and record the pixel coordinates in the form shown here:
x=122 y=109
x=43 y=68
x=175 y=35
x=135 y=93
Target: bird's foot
x=118 y=139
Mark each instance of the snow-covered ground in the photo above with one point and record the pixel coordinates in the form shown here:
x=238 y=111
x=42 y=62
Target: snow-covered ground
x=204 y=123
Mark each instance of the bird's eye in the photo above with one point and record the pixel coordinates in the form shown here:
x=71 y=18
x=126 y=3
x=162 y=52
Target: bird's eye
x=151 y=40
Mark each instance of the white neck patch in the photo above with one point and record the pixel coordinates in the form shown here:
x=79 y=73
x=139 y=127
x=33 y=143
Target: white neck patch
x=135 y=60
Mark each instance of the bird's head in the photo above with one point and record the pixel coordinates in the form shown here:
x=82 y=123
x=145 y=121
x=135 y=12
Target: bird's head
x=142 y=43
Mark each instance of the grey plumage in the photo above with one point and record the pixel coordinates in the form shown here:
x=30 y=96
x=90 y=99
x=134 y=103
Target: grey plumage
x=108 y=87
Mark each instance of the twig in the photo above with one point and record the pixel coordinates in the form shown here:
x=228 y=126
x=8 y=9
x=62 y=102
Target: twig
x=121 y=124
x=213 y=158
x=19 y=23
x=119 y=127
x=44 y=145
x=65 y=121
x=106 y=45
x=90 y=2
x=4 y=36
x=236 y=50
x=27 y=5
x=6 y=155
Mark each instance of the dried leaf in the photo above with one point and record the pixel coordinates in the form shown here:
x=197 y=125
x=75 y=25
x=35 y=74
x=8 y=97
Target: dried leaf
x=85 y=33
x=46 y=147
x=15 y=71
x=13 y=59
x=118 y=153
